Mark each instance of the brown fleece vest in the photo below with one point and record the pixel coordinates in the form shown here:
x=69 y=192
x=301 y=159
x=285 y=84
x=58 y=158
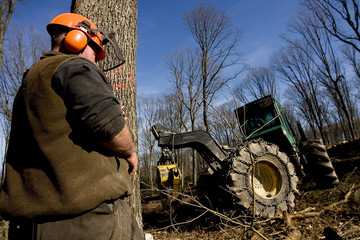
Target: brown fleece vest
x=47 y=174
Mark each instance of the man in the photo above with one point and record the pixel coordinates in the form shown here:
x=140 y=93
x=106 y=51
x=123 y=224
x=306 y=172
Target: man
x=70 y=152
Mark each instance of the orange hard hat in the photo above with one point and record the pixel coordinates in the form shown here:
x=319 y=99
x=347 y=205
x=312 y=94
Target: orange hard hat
x=75 y=21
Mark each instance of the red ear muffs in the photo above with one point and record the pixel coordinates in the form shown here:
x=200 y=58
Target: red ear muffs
x=75 y=40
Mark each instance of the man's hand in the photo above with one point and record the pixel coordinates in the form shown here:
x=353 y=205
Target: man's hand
x=123 y=145
x=133 y=162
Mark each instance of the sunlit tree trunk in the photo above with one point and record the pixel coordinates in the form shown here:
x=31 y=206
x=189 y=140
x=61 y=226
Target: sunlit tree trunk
x=7 y=8
x=119 y=16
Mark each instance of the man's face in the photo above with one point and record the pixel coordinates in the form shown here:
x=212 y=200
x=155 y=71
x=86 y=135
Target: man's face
x=89 y=53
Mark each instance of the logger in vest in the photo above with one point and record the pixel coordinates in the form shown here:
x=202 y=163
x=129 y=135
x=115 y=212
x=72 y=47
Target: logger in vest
x=70 y=154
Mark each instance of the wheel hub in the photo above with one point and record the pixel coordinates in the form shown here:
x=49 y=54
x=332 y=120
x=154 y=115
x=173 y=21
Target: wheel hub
x=267 y=180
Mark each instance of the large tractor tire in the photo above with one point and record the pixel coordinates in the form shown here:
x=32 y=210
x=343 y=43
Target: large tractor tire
x=319 y=165
x=274 y=182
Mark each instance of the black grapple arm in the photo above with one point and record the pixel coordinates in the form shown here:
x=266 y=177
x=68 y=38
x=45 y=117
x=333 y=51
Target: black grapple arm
x=199 y=140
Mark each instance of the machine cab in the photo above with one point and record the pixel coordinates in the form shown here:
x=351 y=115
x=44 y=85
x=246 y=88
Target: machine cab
x=264 y=118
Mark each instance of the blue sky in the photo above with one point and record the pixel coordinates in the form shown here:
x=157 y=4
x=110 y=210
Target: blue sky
x=161 y=30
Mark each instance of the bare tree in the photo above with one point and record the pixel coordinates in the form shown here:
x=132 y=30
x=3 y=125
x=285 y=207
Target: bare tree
x=173 y=114
x=294 y=66
x=22 y=49
x=149 y=109
x=340 y=18
x=326 y=65
x=352 y=56
x=185 y=70
x=120 y=17
x=216 y=48
x=146 y=112
x=291 y=115
x=259 y=82
x=225 y=125
x=184 y=67
x=7 y=8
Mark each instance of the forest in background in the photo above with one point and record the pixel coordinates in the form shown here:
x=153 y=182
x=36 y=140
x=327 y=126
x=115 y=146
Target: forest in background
x=316 y=77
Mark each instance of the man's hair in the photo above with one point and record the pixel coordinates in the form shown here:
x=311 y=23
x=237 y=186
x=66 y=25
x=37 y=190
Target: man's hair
x=55 y=32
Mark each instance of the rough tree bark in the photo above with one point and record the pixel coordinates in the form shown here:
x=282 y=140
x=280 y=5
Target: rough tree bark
x=7 y=8
x=119 y=16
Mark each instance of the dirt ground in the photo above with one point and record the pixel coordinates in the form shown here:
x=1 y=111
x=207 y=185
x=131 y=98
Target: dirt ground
x=319 y=214
x=336 y=210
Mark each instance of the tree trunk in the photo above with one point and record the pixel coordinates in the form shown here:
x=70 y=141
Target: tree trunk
x=195 y=167
x=151 y=174
x=121 y=17
x=7 y=8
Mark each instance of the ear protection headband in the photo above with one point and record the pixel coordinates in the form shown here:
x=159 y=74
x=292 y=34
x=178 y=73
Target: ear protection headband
x=77 y=38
